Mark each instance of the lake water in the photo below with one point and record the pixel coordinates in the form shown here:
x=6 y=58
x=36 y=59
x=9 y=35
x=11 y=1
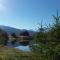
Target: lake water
x=19 y=46
x=23 y=48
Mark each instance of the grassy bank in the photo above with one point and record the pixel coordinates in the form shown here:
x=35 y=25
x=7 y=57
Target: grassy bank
x=14 y=54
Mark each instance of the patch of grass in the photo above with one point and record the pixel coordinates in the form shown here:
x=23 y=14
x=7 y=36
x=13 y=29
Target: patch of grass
x=14 y=54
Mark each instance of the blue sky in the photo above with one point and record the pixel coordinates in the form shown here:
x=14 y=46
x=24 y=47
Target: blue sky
x=27 y=14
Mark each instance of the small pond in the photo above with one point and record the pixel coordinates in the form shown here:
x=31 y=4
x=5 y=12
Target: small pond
x=21 y=46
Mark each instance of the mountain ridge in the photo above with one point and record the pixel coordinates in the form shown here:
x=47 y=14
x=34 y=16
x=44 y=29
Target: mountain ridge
x=17 y=31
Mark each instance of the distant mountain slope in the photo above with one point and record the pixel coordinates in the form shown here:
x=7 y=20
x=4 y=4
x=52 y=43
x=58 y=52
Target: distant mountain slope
x=11 y=30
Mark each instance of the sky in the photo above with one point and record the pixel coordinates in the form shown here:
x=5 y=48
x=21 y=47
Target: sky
x=27 y=14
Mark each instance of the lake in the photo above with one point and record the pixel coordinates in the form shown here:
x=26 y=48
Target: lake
x=19 y=46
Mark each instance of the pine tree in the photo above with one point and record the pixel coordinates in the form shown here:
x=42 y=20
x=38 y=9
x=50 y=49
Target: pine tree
x=56 y=27
x=14 y=38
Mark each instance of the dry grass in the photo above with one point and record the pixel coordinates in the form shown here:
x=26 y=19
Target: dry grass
x=14 y=54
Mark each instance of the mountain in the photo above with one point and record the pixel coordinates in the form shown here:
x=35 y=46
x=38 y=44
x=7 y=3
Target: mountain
x=11 y=30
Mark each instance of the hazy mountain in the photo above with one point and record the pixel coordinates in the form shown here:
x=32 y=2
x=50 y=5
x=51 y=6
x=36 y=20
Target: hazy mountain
x=11 y=30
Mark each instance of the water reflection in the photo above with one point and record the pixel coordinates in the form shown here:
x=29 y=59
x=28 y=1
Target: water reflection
x=25 y=43
x=24 y=46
